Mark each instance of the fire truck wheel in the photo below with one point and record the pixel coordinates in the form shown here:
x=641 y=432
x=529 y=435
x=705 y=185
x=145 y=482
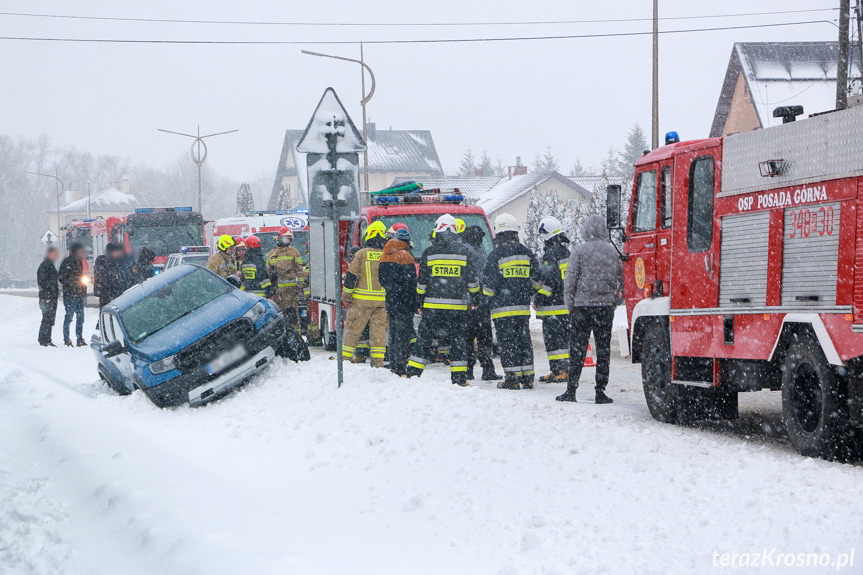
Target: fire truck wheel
x=814 y=405
x=659 y=392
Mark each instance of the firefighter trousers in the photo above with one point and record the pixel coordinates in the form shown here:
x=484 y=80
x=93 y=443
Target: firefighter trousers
x=516 y=347
x=479 y=338
x=401 y=333
x=287 y=297
x=586 y=319
x=448 y=327
x=555 y=335
x=362 y=315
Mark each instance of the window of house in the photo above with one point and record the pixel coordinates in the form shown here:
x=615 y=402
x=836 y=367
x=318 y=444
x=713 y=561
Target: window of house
x=666 y=191
x=645 y=206
x=700 y=216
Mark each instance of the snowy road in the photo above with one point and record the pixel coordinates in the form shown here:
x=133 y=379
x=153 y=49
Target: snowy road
x=394 y=476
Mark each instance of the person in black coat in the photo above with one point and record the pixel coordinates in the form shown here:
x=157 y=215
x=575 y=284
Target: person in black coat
x=112 y=274
x=398 y=275
x=49 y=293
x=480 y=342
x=74 y=282
x=144 y=266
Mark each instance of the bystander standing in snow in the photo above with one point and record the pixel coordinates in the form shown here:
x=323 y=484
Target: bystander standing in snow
x=593 y=280
x=49 y=293
x=398 y=274
x=74 y=282
x=112 y=274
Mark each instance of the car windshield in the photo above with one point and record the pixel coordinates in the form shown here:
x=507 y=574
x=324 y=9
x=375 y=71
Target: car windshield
x=172 y=302
x=300 y=241
x=167 y=239
x=422 y=225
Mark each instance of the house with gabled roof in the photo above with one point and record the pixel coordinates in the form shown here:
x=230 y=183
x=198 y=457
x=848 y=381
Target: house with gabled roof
x=408 y=154
x=512 y=194
x=762 y=76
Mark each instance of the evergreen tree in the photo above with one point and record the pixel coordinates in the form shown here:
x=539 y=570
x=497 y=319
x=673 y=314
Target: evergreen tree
x=636 y=144
x=284 y=199
x=245 y=199
x=577 y=169
x=550 y=162
x=468 y=164
x=499 y=170
x=486 y=166
x=541 y=206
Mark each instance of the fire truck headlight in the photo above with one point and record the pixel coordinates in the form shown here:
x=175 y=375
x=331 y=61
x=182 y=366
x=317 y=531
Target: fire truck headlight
x=85 y=280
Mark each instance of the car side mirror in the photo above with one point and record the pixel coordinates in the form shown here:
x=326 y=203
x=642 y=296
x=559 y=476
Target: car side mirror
x=113 y=348
x=234 y=281
x=612 y=207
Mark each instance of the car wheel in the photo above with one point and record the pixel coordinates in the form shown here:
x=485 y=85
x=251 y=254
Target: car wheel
x=120 y=389
x=659 y=392
x=814 y=404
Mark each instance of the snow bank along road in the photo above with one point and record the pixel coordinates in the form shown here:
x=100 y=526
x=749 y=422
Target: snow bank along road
x=292 y=476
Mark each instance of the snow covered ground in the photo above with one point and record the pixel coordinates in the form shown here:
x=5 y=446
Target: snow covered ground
x=386 y=475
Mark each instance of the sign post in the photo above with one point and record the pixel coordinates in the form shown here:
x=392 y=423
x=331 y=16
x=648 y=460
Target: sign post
x=332 y=145
x=49 y=237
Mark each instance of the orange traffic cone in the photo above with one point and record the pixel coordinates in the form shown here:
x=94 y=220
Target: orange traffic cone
x=589 y=359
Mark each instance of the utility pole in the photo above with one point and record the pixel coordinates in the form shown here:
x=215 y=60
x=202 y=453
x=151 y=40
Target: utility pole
x=858 y=14
x=60 y=187
x=365 y=100
x=842 y=61
x=199 y=153
x=655 y=124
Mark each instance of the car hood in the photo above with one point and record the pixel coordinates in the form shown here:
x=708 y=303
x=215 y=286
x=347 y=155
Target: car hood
x=191 y=328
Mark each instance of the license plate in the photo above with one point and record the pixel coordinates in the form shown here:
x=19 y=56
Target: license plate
x=228 y=358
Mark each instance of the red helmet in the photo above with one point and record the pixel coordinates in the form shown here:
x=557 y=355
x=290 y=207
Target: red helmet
x=285 y=231
x=396 y=227
x=253 y=242
x=239 y=241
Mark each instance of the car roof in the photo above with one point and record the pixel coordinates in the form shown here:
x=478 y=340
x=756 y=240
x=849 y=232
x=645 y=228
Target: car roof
x=143 y=290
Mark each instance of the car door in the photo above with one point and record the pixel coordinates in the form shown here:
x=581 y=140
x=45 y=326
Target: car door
x=119 y=366
x=641 y=244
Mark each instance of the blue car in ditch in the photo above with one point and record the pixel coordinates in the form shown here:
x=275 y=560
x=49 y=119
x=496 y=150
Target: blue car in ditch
x=188 y=335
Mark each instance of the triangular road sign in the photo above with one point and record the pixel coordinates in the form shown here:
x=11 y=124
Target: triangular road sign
x=331 y=117
x=49 y=237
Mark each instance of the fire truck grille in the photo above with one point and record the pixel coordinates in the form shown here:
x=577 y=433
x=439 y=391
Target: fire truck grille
x=209 y=347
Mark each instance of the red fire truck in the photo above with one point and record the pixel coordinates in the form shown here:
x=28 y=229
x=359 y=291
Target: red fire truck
x=743 y=271
x=162 y=230
x=419 y=210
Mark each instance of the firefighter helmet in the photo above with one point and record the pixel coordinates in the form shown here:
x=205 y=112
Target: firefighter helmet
x=505 y=223
x=252 y=242
x=285 y=232
x=445 y=223
x=460 y=226
x=225 y=242
x=376 y=230
x=549 y=226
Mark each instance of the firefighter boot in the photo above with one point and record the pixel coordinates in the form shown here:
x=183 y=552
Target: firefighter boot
x=511 y=382
x=555 y=377
x=569 y=394
x=356 y=358
x=377 y=362
x=527 y=382
x=470 y=373
x=488 y=374
x=601 y=398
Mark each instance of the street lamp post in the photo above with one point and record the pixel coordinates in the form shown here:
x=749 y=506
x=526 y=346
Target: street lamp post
x=199 y=152
x=60 y=189
x=365 y=100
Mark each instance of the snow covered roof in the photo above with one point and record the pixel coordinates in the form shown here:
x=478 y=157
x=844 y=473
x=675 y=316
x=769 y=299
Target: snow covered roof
x=510 y=189
x=782 y=74
x=472 y=187
x=594 y=183
x=390 y=151
x=110 y=200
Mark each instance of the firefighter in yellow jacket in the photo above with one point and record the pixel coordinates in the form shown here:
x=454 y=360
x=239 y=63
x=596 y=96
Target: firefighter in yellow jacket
x=222 y=262
x=287 y=274
x=366 y=297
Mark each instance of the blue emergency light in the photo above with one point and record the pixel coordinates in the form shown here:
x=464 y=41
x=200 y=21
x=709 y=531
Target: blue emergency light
x=151 y=210
x=671 y=138
x=420 y=197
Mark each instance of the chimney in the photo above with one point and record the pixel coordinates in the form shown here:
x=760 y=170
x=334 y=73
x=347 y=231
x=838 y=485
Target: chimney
x=123 y=185
x=371 y=131
x=519 y=169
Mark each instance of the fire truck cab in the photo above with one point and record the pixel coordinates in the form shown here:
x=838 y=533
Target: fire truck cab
x=418 y=210
x=742 y=272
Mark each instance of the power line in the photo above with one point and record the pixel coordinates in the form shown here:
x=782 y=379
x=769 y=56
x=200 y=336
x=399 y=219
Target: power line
x=405 y=24
x=411 y=41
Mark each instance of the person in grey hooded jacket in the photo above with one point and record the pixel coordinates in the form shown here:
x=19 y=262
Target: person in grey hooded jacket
x=593 y=281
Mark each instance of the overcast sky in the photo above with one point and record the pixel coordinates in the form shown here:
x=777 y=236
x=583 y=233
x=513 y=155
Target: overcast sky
x=510 y=98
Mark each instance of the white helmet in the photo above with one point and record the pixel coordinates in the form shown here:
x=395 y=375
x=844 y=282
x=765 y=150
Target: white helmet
x=445 y=223
x=505 y=223
x=549 y=227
